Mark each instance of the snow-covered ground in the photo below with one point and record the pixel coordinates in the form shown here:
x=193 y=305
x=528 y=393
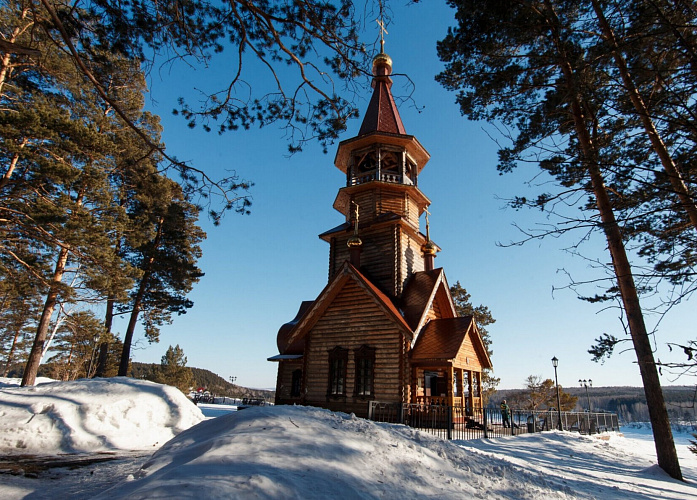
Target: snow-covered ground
x=296 y=452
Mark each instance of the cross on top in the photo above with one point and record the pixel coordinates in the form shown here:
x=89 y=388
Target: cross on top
x=428 y=236
x=383 y=32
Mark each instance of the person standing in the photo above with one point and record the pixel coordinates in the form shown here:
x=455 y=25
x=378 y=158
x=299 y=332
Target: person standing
x=505 y=414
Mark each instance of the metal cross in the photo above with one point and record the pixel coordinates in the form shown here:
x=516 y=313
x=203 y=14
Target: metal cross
x=383 y=32
x=428 y=236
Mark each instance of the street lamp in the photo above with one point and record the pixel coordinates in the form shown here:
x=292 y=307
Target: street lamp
x=555 y=363
x=586 y=383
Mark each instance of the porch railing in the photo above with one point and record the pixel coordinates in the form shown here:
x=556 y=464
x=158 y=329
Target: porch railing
x=453 y=422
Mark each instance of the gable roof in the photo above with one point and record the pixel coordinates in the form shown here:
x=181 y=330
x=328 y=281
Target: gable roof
x=419 y=294
x=441 y=340
x=295 y=337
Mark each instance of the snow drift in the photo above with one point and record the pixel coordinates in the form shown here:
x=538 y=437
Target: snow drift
x=91 y=415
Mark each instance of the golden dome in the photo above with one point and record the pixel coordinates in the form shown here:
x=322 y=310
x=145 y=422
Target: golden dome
x=354 y=241
x=380 y=61
x=429 y=248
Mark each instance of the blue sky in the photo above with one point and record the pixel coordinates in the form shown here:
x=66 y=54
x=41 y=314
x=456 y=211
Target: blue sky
x=260 y=267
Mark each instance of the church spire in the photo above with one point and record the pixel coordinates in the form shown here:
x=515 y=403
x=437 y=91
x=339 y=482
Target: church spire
x=382 y=114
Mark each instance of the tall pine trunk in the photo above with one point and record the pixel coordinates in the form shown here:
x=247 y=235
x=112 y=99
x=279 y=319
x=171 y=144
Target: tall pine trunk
x=138 y=302
x=675 y=177
x=660 y=423
x=103 y=357
x=37 y=348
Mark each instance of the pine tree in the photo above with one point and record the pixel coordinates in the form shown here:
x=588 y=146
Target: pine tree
x=56 y=199
x=168 y=266
x=316 y=40
x=75 y=346
x=532 y=66
x=173 y=370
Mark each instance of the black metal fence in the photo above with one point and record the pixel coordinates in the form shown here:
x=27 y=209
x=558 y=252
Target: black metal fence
x=453 y=422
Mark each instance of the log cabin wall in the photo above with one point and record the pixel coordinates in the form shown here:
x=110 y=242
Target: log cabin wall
x=284 y=382
x=411 y=259
x=378 y=256
x=351 y=321
x=467 y=357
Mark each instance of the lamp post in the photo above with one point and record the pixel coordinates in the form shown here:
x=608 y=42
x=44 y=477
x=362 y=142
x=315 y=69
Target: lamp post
x=586 y=383
x=555 y=363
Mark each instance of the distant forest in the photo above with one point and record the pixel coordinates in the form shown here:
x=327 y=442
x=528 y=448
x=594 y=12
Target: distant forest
x=206 y=379
x=217 y=385
x=628 y=402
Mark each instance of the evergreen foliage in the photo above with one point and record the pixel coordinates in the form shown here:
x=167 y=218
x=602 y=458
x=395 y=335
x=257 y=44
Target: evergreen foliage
x=482 y=317
x=173 y=370
x=553 y=73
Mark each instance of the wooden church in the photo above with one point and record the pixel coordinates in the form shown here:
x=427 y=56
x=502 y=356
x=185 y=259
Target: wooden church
x=385 y=327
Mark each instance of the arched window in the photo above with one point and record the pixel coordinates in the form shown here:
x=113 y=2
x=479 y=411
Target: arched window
x=365 y=371
x=338 y=358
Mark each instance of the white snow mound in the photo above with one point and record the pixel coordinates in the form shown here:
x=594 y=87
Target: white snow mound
x=287 y=452
x=91 y=415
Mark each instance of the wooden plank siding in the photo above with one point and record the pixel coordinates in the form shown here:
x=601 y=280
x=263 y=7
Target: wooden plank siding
x=285 y=380
x=378 y=256
x=411 y=258
x=351 y=321
x=467 y=357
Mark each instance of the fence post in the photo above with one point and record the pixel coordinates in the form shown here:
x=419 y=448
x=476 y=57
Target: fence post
x=401 y=413
x=450 y=422
x=486 y=432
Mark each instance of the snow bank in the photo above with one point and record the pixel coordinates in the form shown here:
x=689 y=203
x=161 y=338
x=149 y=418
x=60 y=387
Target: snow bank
x=310 y=453
x=91 y=415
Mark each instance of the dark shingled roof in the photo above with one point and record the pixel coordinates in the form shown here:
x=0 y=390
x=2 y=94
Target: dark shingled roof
x=382 y=114
x=441 y=339
x=416 y=295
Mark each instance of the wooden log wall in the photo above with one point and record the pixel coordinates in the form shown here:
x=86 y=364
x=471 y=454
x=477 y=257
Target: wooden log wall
x=467 y=355
x=411 y=258
x=284 y=381
x=353 y=320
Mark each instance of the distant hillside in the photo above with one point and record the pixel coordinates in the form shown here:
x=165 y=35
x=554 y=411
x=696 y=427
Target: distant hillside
x=628 y=402
x=216 y=384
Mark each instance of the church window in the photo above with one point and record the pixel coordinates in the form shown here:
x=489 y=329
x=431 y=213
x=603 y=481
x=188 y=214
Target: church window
x=338 y=358
x=365 y=371
x=296 y=383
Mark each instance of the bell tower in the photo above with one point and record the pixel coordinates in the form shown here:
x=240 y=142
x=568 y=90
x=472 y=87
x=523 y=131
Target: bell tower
x=382 y=165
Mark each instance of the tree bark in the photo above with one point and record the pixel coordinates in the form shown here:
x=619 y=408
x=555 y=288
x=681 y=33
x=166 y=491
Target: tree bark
x=37 y=348
x=660 y=423
x=676 y=179
x=138 y=302
x=103 y=358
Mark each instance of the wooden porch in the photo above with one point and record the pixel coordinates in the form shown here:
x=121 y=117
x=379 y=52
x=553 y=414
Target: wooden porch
x=440 y=385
